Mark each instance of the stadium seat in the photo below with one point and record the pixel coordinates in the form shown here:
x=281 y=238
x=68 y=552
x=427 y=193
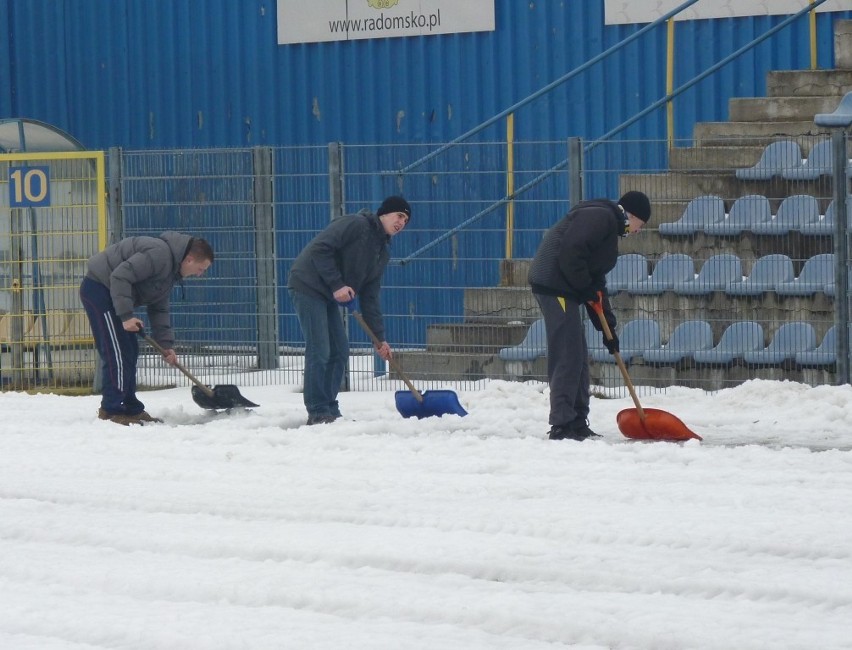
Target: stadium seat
x=746 y=212
x=817 y=272
x=775 y=159
x=819 y=162
x=788 y=340
x=636 y=336
x=826 y=225
x=825 y=354
x=699 y=213
x=793 y=213
x=715 y=275
x=668 y=270
x=631 y=267
x=839 y=117
x=686 y=339
x=768 y=272
x=594 y=341
x=739 y=337
x=531 y=348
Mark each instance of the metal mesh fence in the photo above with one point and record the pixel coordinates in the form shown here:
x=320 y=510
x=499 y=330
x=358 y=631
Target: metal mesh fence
x=52 y=215
x=456 y=302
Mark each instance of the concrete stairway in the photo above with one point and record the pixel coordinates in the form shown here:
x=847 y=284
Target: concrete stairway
x=498 y=317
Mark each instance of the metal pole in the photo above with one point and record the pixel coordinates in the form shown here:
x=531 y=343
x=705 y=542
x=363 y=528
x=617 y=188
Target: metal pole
x=337 y=209
x=841 y=254
x=336 y=198
x=575 y=171
x=264 y=236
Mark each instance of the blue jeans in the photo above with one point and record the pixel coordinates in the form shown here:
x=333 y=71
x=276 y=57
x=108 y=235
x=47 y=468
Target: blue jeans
x=326 y=352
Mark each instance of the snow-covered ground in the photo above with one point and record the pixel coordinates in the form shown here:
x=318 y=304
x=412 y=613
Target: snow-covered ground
x=252 y=531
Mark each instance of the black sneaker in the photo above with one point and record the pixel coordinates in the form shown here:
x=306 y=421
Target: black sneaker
x=577 y=430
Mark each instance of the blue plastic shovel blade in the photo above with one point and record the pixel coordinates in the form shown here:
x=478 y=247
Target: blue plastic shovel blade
x=435 y=403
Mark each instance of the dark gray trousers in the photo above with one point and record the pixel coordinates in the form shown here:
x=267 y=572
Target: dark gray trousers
x=567 y=359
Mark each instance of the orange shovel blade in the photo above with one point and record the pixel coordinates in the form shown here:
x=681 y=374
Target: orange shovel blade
x=658 y=425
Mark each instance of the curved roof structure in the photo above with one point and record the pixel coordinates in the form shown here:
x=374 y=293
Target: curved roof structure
x=24 y=135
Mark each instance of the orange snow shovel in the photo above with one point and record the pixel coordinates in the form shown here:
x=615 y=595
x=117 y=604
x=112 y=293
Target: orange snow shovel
x=639 y=423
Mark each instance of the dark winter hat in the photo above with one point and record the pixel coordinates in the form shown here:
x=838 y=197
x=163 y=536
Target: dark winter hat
x=394 y=204
x=636 y=203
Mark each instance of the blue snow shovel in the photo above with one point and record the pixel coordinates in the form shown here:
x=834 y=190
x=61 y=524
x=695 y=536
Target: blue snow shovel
x=411 y=402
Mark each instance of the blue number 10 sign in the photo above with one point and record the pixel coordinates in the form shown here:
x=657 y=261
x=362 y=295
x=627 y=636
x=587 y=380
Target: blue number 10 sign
x=29 y=187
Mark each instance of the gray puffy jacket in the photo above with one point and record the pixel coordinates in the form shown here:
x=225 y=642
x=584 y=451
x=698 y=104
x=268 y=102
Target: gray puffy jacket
x=142 y=271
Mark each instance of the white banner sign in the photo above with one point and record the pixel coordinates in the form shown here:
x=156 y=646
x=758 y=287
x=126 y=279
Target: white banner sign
x=625 y=12
x=315 y=21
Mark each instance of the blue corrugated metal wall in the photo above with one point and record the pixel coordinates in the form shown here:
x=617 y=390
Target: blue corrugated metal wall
x=202 y=73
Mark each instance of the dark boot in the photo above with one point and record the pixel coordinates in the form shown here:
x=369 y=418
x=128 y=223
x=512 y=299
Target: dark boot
x=576 y=430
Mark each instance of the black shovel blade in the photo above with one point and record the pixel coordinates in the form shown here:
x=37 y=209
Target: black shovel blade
x=226 y=396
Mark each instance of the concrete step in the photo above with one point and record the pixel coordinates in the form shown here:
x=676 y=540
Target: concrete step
x=447 y=366
x=474 y=338
x=704 y=159
x=732 y=156
x=808 y=83
x=500 y=305
x=780 y=109
x=683 y=187
x=746 y=245
x=755 y=133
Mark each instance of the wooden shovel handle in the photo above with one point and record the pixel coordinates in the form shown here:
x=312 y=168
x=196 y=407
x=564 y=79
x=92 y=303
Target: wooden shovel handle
x=393 y=364
x=597 y=306
x=159 y=348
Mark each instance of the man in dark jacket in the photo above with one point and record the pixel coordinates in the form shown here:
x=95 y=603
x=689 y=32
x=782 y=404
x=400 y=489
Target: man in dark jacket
x=569 y=269
x=343 y=262
x=133 y=272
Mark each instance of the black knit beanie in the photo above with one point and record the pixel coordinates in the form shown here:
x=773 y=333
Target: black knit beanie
x=394 y=204
x=636 y=203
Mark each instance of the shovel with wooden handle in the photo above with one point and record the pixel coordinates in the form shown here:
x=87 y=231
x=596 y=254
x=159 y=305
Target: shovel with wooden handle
x=640 y=423
x=221 y=397
x=428 y=404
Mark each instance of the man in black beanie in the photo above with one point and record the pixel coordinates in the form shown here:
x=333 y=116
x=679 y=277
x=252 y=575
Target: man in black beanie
x=343 y=262
x=568 y=270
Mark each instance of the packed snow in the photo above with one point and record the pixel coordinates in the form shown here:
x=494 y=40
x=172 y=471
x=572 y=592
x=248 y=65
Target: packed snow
x=251 y=530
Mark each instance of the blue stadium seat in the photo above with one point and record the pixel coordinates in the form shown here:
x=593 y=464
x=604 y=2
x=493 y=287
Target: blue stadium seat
x=700 y=212
x=746 y=212
x=630 y=267
x=768 y=272
x=777 y=157
x=668 y=270
x=636 y=336
x=788 y=340
x=737 y=339
x=594 y=341
x=826 y=225
x=687 y=338
x=531 y=348
x=818 y=163
x=824 y=355
x=817 y=272
x=793 y=213
x=839 y=117
x=715 y=275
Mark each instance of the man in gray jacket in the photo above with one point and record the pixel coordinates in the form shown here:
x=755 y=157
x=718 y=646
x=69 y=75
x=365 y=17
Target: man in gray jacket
x=134 y=272
x=343 y=262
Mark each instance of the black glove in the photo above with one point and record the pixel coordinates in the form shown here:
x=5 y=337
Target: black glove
x=593 y=316
x=611 y=344
x=589 y=294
